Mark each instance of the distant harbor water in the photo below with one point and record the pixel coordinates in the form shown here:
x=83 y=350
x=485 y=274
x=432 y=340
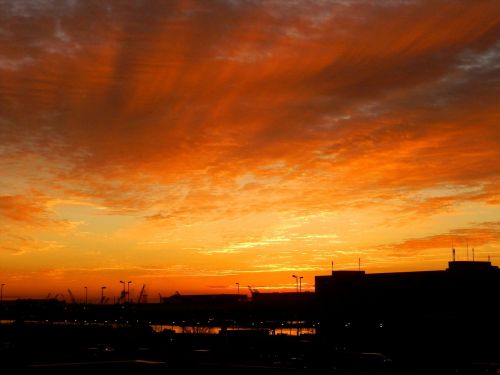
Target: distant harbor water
x=288 y=329
x=199 y=329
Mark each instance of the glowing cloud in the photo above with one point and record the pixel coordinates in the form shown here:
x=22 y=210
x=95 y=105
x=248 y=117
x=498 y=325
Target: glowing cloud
x=194 y=143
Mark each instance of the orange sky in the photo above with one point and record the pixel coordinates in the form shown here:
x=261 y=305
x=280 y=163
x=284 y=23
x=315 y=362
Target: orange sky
x=192 y=145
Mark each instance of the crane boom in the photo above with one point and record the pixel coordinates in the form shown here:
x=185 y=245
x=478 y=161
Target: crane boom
x=73 y=300
x=253 y=291
x=122 y=297
x=141 y=294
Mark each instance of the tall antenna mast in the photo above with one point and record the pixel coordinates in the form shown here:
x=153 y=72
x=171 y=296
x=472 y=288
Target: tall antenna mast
x=453 y=249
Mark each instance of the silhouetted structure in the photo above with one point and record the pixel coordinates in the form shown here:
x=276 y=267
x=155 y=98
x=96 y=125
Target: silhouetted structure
x=464 y=285
x=204 y=299
x=444 y=314
x=429 y=321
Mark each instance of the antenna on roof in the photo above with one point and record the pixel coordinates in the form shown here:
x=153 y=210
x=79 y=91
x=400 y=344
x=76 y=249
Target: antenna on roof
x=452 y=249
x=332 y=265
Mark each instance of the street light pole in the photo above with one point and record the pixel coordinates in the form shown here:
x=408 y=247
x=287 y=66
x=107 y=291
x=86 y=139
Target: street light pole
x=238 y=288
x=128 y=291
x=102 y=294
x=297 y=282
x=300 y=283
x=86 y=294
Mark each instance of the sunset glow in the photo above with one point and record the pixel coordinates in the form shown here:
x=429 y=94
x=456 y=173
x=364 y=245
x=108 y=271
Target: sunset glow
x=193 y=145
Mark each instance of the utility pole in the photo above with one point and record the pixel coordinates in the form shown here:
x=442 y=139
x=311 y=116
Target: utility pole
x=102 y=294
x=297 y=282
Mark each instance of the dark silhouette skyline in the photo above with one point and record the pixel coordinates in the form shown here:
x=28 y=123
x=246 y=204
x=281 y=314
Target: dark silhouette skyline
x=416 y=322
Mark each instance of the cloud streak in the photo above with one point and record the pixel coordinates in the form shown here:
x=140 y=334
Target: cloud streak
x=483 y=234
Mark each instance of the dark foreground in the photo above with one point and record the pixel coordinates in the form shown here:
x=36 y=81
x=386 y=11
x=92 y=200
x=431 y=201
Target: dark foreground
x=44 y=348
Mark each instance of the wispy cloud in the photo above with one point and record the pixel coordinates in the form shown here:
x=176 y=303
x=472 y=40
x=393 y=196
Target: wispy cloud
x=481 y=234
x=18 y=245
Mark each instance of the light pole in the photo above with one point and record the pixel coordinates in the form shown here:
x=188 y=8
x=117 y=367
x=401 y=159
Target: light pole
x=86 y=294
x=1 y=293
x=238 y=288
x=297 y=282
x=300 y=283
x=102 y=294
x=128 y=290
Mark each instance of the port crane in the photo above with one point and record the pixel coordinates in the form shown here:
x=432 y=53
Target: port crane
x=142 y=296
x=252 y=290
x=71 y=296
x=123 y=297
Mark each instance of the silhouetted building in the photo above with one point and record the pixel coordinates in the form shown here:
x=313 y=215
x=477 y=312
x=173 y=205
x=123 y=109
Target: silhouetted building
x=463 y=283
x=282 y=298
x=447 y=310
x=212 y=300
